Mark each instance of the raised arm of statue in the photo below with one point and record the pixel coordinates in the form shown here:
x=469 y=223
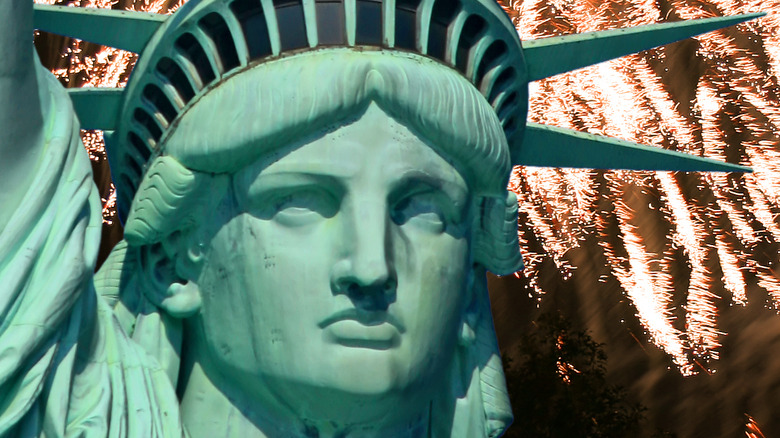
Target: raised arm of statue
x=60 y=348
x=21 y=141
x=49 y=231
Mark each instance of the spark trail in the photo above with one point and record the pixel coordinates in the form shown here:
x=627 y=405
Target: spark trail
x=726 y=225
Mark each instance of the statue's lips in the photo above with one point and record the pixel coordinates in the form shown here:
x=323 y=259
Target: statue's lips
x=363 y=329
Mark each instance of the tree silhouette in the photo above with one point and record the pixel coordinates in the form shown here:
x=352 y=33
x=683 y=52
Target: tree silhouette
x=557 y=386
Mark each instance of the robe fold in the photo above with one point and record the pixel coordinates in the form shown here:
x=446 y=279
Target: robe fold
x=67 y=369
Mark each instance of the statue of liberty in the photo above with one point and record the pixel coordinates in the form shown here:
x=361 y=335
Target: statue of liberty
x=312 y=192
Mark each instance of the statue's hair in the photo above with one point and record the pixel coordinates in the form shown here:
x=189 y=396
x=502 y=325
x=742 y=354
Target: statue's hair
x=165 y=203
x=252 y=113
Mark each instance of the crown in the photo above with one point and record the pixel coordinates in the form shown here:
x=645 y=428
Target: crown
x=207 y=41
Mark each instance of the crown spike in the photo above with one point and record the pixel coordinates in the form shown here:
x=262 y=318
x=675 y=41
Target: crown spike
x=550 y=146
x=96 y=108
x=126 y=30
x=547 y=57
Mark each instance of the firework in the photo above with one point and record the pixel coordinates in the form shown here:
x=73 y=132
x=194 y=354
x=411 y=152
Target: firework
x=718 y=221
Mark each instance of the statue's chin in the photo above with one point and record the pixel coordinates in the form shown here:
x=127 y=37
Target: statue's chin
x=372 y=394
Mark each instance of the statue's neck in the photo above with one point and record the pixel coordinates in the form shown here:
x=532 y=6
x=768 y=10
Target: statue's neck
x=208 y=412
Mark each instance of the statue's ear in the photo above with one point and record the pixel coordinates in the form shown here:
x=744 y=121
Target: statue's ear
x=169 y=270
x=470 y=316
x=496 y=246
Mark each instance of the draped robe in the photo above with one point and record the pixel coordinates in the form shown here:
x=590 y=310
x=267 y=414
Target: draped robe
x=66 y=366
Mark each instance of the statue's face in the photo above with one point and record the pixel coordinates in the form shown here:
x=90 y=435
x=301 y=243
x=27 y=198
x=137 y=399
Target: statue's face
x=341 y=272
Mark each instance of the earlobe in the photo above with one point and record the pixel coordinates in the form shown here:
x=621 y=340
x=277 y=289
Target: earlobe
x=182 y=300
x=182 y=297
x=470 y=316
x=467 y=336
x=188 y=265
x=168 y=277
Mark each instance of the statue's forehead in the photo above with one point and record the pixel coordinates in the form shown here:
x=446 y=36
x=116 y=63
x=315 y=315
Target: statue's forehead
x=373 y=144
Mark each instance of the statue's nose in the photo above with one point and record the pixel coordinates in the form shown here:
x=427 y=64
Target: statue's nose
x=366 y=272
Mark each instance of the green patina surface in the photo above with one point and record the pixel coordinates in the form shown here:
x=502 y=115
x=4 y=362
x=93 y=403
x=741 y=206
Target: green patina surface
x=312 y=194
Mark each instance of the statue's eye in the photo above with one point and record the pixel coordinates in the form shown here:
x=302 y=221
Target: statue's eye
x=301 y=207
x=422 y=210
